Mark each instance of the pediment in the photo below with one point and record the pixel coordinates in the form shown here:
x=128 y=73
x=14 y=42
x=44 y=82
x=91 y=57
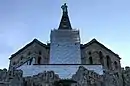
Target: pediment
x=99 y=45
x=35 y=41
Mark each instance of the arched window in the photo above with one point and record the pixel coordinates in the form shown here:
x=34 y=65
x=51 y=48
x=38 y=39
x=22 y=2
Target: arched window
x=21 y=57
x=90 y=60
x=29 y=53
x=30 y=61
x=40 y=52
x=108 y=62
x=89 y=52
x=39 y=60
x=116 y=65
x=14 y=63
x=101 y=58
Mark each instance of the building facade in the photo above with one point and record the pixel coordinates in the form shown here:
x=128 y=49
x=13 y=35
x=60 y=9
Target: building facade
x=90 y=64
x=65 y=48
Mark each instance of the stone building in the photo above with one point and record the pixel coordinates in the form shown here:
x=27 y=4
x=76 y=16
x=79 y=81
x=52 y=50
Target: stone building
x=65 y=58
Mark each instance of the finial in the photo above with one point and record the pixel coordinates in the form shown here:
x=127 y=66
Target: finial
x=64 y=8
x=65 y=22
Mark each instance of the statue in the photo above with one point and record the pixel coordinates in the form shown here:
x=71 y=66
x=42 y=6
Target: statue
x=64 y=8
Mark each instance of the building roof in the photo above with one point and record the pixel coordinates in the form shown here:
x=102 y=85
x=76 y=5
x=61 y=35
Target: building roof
x=95 y=41
x=34 y=41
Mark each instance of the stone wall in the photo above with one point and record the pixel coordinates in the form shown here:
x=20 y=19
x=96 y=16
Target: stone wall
x=15 y=78
x=11 y=78
x=95 y=54
x=42 y=79
x=112 y=79
x=35 y=51
x=86 y=77
x=83 y=77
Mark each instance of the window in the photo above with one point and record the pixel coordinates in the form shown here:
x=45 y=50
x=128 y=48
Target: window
x=65 y=20
x=29 y=53
x=116 y=65
x=90 y=60
x=14 y=63
x=101 y=58
x=30 y=61
x=21 y=57
x=39 y=60
x=89 y=52
x=40 y=52
x=108 y=62
x=64 y=25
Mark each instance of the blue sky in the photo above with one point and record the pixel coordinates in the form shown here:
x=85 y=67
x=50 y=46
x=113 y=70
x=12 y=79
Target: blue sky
x=23 y=20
